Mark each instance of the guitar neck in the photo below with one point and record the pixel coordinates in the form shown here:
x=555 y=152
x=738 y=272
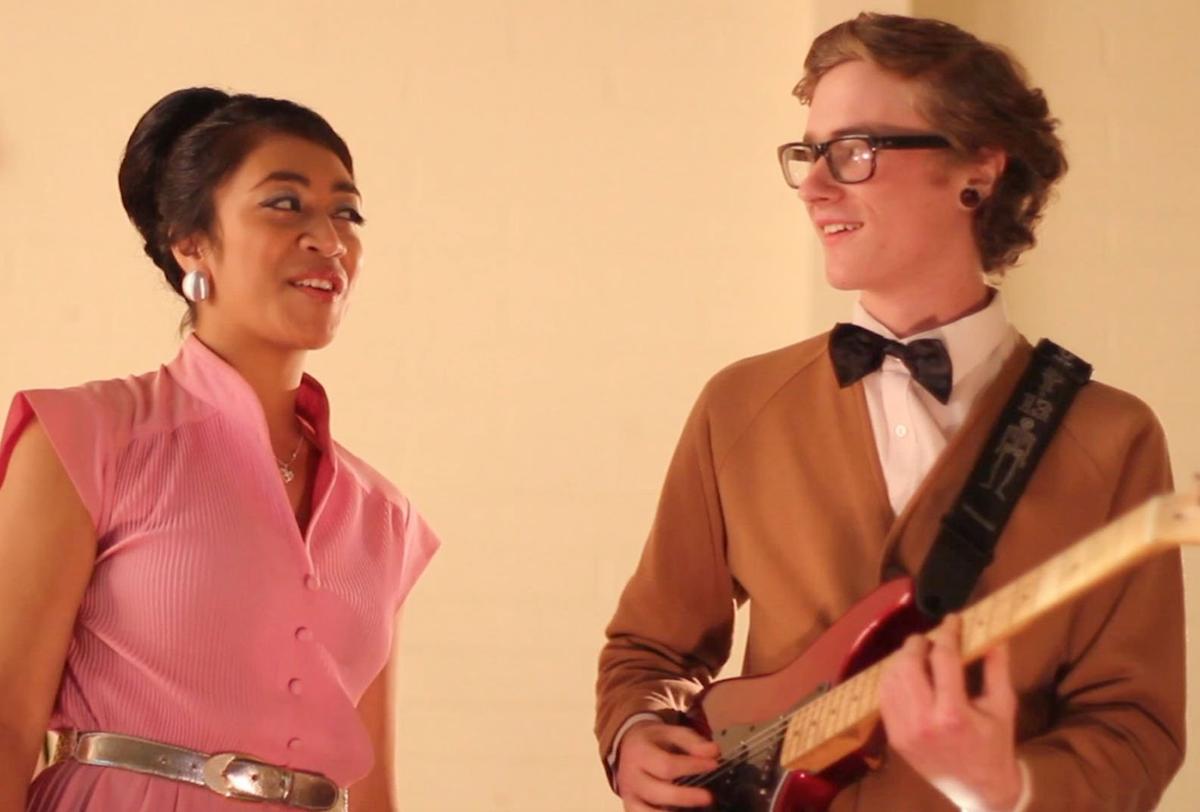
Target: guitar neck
x=838 y=722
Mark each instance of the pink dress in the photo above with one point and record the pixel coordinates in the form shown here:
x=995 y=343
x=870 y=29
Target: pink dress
x=210 y=621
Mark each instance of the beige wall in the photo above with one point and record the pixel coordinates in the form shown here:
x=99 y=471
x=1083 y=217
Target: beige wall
x=575 y=217
x=1115 y=276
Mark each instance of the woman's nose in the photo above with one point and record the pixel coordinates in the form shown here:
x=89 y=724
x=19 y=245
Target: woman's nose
x=322 y=237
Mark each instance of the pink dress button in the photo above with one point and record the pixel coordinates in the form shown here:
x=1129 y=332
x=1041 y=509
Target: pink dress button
x=296 y=686
x=312 y=582
x=304 y=634
x=294 y=744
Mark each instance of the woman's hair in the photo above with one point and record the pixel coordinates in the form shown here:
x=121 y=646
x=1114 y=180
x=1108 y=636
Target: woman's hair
x=976 y=95
x=185 y=145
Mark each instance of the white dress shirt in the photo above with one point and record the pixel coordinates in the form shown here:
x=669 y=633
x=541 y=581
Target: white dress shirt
x=911 y=426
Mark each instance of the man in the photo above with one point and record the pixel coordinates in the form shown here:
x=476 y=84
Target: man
x=800 y=486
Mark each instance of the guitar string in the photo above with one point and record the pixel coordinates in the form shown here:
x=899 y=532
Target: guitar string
x=762 y=741
x=759 y=743
x=754 y=746
x=743 y=756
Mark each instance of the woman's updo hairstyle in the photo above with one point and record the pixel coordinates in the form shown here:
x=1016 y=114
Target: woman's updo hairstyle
x=975 y=94
x=186 y=145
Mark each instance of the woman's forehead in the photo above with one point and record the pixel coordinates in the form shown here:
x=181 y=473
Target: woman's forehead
x=282 y=154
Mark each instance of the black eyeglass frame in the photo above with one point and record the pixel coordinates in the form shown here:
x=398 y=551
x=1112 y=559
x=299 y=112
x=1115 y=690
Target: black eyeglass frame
x=875 y=142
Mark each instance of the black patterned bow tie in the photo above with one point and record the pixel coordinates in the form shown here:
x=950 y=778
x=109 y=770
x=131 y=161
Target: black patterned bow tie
x=856 y=351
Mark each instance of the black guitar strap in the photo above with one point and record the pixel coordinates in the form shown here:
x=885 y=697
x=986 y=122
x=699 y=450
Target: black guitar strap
x=967 y=540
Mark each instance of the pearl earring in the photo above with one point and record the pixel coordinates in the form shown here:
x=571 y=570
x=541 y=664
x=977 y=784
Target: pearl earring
x=196 y=285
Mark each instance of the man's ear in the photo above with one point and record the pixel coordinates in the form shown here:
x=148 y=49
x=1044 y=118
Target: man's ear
x=986 y=169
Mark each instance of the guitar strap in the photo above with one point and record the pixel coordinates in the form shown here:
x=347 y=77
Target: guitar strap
x=967 y=540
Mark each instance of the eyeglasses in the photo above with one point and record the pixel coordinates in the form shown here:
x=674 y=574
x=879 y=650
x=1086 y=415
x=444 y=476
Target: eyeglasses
x=851 y=158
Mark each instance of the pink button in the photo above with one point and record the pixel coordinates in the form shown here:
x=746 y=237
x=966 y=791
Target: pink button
x=294 y=744
x=312 y=582
x=304 y=634
x=296 y=686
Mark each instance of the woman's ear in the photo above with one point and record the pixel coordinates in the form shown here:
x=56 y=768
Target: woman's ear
x=187 y=252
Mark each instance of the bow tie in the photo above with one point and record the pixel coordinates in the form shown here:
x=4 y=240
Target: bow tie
x=856 y=352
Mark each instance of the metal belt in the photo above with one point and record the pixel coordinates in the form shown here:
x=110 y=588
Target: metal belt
x=232 y=775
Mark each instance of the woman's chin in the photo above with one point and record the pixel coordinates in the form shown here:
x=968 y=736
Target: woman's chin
x=315 y=337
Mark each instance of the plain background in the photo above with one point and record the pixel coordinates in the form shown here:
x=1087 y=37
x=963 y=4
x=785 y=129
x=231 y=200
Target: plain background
x=575 y=217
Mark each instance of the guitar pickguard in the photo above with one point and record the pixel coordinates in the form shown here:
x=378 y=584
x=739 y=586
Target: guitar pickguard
x=750 y=780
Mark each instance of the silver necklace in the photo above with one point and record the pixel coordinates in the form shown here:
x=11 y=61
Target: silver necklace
x=285 y=468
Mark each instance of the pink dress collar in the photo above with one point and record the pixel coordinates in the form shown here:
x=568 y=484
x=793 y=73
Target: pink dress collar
x=209 y=377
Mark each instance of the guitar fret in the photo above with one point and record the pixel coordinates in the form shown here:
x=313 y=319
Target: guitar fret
x=837 y=711
x=816 y=732
x=825 y=724
x=812 y=727
x=973 y=632
x=857 y=695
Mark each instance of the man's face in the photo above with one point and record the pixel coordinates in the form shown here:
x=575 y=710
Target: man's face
x=886 y=232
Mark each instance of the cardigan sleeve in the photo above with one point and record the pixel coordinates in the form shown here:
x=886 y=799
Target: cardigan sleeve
x=673 y=626
x=1117 y=735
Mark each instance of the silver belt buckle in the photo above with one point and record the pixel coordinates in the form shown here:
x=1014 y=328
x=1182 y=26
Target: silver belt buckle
x=238 y=776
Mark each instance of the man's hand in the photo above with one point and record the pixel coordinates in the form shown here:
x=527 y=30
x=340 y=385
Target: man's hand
x=964 y=746
x=652 y=756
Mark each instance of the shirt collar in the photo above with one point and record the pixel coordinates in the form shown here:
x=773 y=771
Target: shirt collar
x=206 y=375
x=969 y=341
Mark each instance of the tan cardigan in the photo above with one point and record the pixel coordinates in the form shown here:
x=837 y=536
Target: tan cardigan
x=775 y=495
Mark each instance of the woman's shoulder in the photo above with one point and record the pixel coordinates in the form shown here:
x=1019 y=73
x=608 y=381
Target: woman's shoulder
x=88 y=426
x=121 y=408
x=368 y=479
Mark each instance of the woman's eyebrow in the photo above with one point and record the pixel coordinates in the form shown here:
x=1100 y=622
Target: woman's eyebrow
x=297 y=177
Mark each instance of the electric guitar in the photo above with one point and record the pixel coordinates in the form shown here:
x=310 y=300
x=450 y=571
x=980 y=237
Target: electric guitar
x=791 y=740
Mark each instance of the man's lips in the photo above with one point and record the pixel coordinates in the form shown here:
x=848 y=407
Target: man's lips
x=832 y=226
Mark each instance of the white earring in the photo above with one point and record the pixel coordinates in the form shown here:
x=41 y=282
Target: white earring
x=196 y=285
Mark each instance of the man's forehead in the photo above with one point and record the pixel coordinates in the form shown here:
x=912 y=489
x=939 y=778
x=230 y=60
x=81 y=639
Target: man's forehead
x=860 y=97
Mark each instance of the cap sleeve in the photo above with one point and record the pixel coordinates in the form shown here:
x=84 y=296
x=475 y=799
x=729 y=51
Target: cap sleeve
x=79 y=427
x=417 y=545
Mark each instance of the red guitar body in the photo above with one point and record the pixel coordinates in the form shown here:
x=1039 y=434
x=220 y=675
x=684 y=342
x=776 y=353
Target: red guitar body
x=732 y=711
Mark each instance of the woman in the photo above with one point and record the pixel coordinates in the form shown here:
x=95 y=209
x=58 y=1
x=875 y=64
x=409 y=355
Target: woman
x=190 y=566
x=801 y=481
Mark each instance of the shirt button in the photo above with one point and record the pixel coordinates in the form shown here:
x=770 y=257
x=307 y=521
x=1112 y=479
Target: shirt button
x=312 y=582
x=294 y=744
x=304 y=634
x=902 y=431
x=296 y=687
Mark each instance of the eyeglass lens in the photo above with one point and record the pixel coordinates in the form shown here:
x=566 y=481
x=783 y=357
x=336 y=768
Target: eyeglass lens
x=850 y=160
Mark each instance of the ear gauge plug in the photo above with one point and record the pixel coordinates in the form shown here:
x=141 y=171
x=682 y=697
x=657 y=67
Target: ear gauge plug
x=970 y=197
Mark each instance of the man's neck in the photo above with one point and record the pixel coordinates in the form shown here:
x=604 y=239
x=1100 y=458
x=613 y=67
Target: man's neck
x=913 y=310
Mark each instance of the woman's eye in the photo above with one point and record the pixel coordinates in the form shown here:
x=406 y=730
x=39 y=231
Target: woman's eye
x=350 y=214
x=283 y=204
